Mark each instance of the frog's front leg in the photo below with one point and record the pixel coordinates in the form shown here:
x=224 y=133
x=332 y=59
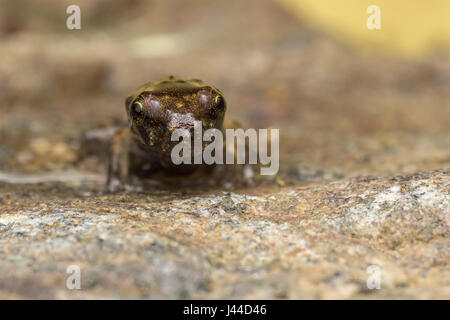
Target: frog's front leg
x=119 y=161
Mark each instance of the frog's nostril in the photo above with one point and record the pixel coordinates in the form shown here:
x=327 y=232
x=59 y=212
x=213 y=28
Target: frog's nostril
x=174 y=126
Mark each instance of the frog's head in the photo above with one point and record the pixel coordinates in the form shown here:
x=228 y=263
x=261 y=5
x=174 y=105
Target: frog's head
x=158 y=108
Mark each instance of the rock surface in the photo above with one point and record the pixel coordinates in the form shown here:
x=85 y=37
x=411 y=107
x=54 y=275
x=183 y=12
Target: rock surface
x=298 y=242
x=363 y=188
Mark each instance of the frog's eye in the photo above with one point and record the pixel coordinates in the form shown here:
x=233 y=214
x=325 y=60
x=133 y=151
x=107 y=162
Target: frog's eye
x=137 y=107
x=219 y=102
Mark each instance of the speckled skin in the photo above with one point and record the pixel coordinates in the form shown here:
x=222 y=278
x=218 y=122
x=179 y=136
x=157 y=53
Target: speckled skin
x=154 y=112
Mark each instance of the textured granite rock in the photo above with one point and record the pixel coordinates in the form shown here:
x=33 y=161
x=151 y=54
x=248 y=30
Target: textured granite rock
x=364 y=158
x=299 y=242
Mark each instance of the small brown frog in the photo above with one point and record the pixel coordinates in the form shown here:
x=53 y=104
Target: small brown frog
x=143 y=150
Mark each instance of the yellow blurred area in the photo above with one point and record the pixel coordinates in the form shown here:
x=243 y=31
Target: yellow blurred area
x=411 y=28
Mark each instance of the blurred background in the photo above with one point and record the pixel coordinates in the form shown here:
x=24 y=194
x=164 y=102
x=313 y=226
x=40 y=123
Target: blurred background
x=348 y=101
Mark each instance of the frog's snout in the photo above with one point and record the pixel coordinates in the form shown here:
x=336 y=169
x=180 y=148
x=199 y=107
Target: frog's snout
x=181 y=121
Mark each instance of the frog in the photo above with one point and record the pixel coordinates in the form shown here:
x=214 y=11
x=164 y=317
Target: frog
x=142 y=149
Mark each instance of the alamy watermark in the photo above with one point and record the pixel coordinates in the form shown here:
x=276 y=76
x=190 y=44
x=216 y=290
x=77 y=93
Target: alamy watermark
x=374 y=20
x=213 y=153
x=73 y=21
x=73 y=281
